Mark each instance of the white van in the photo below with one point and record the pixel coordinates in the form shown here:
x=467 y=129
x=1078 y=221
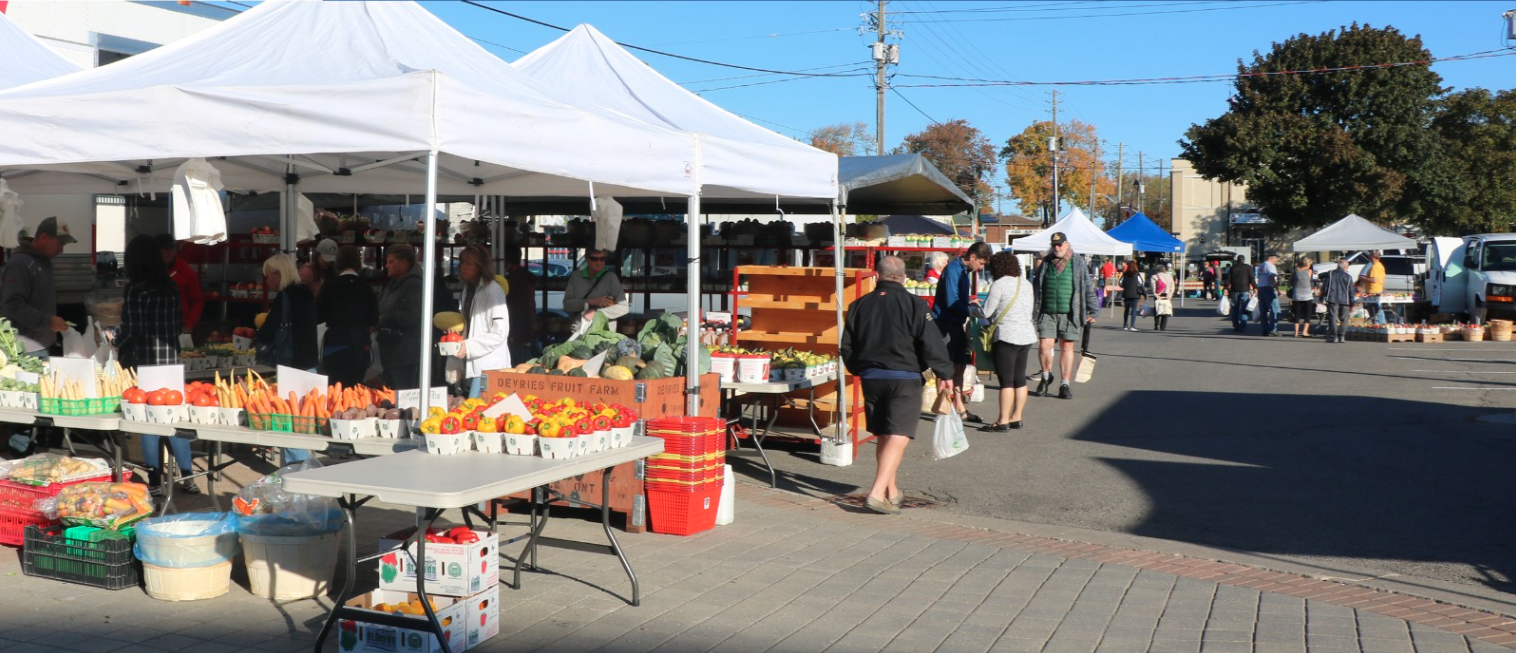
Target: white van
x=1475 y=274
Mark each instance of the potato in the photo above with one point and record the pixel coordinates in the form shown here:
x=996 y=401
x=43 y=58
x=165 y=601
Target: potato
x=371 y=411
x=393 y=413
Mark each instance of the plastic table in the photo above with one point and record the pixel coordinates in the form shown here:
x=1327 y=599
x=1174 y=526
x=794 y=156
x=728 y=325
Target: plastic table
x=776 y=391
x=435 y=483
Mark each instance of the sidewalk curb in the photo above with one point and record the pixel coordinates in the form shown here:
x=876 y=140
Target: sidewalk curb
x=1413 y=600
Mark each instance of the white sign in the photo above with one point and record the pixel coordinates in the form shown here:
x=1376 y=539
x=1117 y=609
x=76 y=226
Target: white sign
x=81 y=370
x=593 y=365
x=299 y=382
x=412 y=398
x=510 y=405
x=160 y=377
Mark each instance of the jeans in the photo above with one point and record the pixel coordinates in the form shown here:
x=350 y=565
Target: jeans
x=1240 y=310
x=475 y=386
x=1129 y=312
x=151 y=450
x=1375 y=309
x=1337 y=320
x=1268 y=308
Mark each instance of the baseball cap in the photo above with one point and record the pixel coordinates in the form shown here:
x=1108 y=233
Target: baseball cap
x=328 y=250
x=56 y=228
x=1058 y=238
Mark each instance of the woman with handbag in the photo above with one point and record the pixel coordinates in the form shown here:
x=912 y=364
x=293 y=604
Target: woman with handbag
x=1163 y=297
x=1303 y=301
x=486 y=319
x=1011 y=333
x=151 y=322
x=288 y=334
x=1132 y=293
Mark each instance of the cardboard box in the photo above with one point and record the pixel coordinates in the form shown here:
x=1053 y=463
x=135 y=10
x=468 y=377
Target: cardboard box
x=659 y=398
x=482 y=616
x=451 y=569
x=357 y=636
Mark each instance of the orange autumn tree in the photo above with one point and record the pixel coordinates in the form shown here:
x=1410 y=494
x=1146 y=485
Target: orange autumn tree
x=1029 y=168
x=961 y=152
x=843 y=139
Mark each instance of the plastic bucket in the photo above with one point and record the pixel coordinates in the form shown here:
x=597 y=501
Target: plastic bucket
x=173 y=545
x=753 y=369
x=288 y=567
x=187 y=583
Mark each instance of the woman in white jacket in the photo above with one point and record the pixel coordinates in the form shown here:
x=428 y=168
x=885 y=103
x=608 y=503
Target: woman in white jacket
x=487 y=320
x=1010 y=306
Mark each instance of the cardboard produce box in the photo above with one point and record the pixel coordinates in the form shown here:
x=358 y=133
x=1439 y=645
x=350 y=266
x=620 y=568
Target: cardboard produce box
x=358 y=636
x=658 y=398
x=451 y=569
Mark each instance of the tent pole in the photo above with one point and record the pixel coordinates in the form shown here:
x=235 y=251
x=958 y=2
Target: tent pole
x=839 y=254
x=1184 y=266
x=428 y=280
x=693 y=341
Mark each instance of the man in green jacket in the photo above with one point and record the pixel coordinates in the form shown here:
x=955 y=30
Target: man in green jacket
x=1065 y=304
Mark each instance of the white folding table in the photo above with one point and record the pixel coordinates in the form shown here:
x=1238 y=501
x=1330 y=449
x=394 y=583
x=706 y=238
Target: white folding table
x=777 y=392
x=434 y=483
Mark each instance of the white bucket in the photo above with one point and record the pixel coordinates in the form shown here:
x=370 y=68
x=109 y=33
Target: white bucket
x=449 y=348
x=726 y=513
x=187 y=583
x=599 y=441
x=724 y=365
x=838 y=454
x=753 y=369
x=290 y=567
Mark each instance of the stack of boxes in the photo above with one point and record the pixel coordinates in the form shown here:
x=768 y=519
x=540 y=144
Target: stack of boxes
x=462 y=580
x=684 y=482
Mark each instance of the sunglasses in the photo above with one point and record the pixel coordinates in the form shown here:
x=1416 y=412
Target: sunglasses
x=596 y=258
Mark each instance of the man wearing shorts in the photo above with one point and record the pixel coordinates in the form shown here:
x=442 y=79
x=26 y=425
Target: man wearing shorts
x=955 y=304
x=887 y=341
x=1066 y=304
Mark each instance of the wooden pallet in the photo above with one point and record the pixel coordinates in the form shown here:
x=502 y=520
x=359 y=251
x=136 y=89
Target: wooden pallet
x=1399 y=337
x=1429 y=337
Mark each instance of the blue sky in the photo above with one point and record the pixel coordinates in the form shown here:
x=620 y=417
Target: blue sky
x=1038 y=40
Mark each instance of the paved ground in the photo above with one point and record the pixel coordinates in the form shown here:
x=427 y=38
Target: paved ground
x=1368 y=459
x=800 y=574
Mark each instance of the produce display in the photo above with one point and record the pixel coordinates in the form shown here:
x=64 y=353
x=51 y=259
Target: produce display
x=656 y=353
x=110 y=381
x=46 y=469
x=921 y=288
x=13 y=356
x=104 y=505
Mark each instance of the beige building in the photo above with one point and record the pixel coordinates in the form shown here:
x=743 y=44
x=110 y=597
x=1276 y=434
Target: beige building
x=1204 y=209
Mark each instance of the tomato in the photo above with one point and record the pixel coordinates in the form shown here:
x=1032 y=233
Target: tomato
x=204 y=401
x=134 y=395
x=158 y=398
x=173 y=398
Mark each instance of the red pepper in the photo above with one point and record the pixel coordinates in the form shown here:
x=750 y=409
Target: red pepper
x=462 y=535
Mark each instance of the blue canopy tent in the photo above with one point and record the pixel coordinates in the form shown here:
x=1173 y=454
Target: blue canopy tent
x=1146 y=236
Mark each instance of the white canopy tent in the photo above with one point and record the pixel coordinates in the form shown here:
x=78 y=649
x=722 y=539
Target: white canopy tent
x=1353 y=233
x=341 y=96
x=26 y=59
x=737 y=159
x=1086 y=238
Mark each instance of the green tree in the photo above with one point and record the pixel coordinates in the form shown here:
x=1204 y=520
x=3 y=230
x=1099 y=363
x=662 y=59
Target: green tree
x=1477 y=134
x=1315 y=147
x=961 y=152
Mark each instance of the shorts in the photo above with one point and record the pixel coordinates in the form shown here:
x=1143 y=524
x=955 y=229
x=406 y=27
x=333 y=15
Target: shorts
x=1061 y=327
x=1303 y=310
x=892 y=406
x=1010 y=364
x=957 y=340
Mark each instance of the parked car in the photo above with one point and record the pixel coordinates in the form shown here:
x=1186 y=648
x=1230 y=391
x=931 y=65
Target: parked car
x=1400 y=268
x=1477 y=276
x=552 y=267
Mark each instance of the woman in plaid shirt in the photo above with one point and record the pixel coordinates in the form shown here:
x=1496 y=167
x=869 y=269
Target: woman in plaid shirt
x=151 y=322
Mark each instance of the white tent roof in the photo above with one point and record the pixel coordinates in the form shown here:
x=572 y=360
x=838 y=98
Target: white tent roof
x=328 y=89
x=738 y=158
x=26 y=59
x=1350 y=233
x=1086 y=238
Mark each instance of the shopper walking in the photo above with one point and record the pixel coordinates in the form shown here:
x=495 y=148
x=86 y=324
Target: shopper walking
x=1240 y=288
x=487 y=321
x=1008 y=310
x=1066 y=305
x=1131 y=296
x=149 y=335
x=1208 y=282
x=955 y=303
x=1162 y=287
x=1372 y=283
x=1302 y=300
x=1338 y=293
x=887 y=340
x=350 y=310
x=1107 y=275
x=400 y=318
x=1267 y=281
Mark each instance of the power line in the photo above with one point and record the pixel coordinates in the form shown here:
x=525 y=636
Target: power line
x=913 y=106
x=727 y=79
x=969 y=63
x=984 y=58
x=1056 y=6
x=762 y=83
x=505 y=47
x=660 y=52
x=1117 y=15
x=1191 y=79
x=765 y=36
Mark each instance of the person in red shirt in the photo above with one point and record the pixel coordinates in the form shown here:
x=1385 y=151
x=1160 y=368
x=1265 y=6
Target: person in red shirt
x=191 y=300
x=1107 y=273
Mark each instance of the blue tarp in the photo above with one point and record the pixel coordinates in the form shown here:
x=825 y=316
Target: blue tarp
x=1145 y=236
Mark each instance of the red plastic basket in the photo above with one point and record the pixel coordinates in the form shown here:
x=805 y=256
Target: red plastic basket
x=683 y=513
x=670 y=485
x=688 y=435
x=20 y=497
x=13 y=525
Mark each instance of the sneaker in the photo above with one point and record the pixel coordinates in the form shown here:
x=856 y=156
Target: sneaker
x=187 y=488
x=882 y=506
x=1042 y=386
x=1064 y=392
x=155 y=491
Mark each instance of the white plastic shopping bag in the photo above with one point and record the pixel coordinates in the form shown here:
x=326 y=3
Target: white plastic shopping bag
x=1224 y=307
x=948 y=438
x=75 y=346
x=1252 y=306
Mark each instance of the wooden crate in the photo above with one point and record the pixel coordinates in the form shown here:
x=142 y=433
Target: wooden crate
x=796 y=307
x=1428 y=337
x=651 y=399
x=1398 y=337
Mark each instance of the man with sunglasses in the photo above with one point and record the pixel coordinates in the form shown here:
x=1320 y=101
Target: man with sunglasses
x=1065 y=305
x=592 y=289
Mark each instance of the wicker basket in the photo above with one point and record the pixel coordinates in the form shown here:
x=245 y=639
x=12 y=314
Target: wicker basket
x=1500 y=330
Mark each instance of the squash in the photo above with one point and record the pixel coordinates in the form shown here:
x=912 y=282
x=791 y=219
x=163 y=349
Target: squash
x=617 y=372
x=567 y=363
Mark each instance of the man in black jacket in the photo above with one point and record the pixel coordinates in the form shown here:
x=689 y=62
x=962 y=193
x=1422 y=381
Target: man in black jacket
x=1240 y=286
x=888 y=340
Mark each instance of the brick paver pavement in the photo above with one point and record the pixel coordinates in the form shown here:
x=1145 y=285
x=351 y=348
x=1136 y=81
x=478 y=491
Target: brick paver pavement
x=800 y=574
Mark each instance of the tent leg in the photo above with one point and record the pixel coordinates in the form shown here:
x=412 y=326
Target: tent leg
x=428 y=279
x=843 y=423
x=692 y=316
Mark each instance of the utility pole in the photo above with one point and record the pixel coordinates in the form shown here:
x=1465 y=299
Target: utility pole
x=881 y=57
x=1053 y=148
x=1159 y=207
x=1120 y=179
x=1139 y=182
x=1094 y=160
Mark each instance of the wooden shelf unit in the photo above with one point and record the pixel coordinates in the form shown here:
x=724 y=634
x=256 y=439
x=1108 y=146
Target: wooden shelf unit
x=796 y=308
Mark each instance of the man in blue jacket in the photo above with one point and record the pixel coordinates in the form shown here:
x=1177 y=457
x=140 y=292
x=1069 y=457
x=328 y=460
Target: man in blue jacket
x=951 y=310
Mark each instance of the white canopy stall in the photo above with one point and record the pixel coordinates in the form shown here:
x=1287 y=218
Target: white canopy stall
x=1086 y=238
x=1353 y=233
x=26 y=59
x=738 y=160
x=331 y=96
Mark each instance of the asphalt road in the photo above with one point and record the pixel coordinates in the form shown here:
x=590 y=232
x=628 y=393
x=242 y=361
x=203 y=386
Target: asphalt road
x=1366 y=455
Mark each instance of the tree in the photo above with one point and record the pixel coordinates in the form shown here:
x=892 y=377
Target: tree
x=1477 y=136
x=1029 y=167
x=1314 y=147
x=843 y=139
x=961 y=152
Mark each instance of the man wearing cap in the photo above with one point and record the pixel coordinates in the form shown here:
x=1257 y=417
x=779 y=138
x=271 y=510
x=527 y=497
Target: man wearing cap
x=1065 y=304
x=322 y=266
x=27 y=294
x=191 y=300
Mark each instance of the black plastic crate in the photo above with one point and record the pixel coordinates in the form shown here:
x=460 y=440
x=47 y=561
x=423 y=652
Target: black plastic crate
x=108 y=564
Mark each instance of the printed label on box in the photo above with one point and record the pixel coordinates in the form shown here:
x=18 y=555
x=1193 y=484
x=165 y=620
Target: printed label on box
x=451 y=569
x=358 y=636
